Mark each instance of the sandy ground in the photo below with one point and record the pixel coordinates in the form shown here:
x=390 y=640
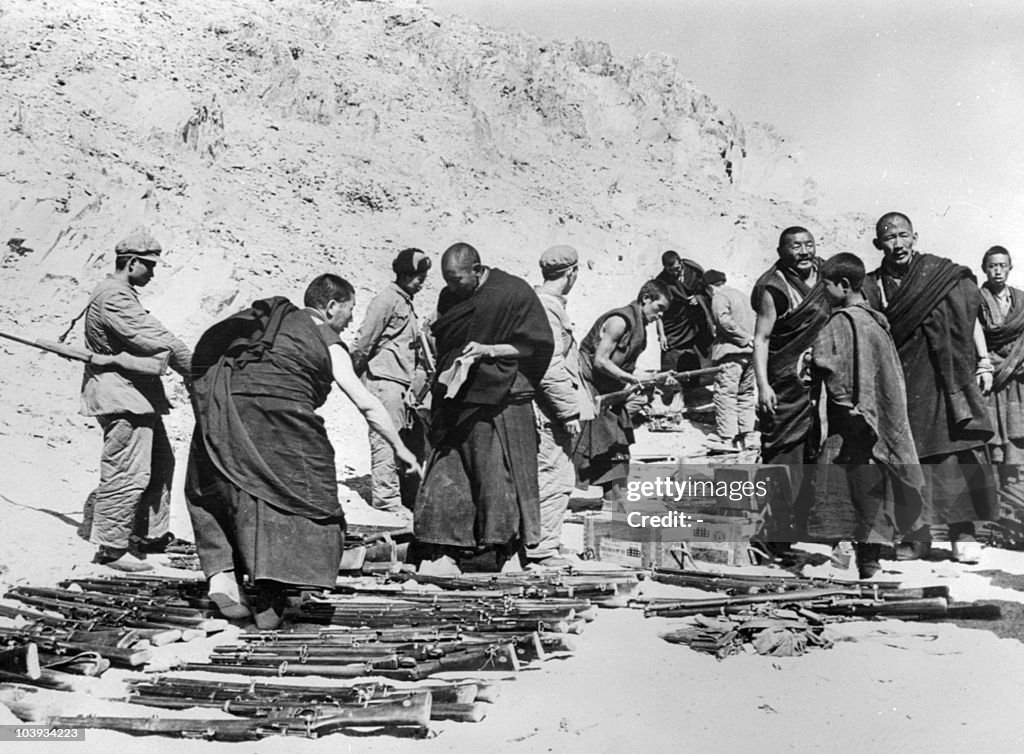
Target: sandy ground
x=907 y=686
x=348 y=132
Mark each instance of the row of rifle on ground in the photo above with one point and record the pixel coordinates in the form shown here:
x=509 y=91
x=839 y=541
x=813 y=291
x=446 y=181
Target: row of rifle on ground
x=888 y=394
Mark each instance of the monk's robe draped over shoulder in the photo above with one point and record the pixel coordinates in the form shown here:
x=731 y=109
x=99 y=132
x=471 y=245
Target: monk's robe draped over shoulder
x=262 y=485
x=1004 y=335
x=801 y=311
x=865 y=423
x=932 y=313
x=480 y=481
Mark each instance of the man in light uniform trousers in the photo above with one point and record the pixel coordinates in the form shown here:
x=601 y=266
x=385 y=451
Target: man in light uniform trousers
x=131 y=505
x=561 y=404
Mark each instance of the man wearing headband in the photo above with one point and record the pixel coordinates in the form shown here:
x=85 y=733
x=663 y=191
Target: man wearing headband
x=385 y=354
x=130 y=507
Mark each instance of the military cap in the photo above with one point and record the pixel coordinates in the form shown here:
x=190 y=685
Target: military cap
x=139 y=243
x=559 y=258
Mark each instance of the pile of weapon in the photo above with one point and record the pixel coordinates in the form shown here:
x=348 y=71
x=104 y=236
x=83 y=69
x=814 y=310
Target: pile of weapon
x=375 y=640
x=88 y=625
x=743 y=583
x=925 y=603
x=412 y=632
x=606 y=588
x=787 y=614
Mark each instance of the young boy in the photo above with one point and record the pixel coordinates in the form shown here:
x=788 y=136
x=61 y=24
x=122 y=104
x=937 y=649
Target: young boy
x=867 y=482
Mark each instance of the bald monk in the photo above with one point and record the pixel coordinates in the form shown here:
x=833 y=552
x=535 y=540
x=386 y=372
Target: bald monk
x=494 y=344
x=933 y=306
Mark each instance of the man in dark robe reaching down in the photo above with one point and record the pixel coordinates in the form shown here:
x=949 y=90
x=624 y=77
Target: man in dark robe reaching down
x=262 y=487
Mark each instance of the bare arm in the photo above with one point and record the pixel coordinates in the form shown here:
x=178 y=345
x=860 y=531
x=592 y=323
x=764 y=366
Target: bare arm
x=611 y=332
x=659 y=326
x=763 y=327
x=477 y=351
x=985 y=371
x=369 y=406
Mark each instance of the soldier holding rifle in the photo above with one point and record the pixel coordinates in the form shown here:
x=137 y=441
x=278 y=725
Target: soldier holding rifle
x=130 y=507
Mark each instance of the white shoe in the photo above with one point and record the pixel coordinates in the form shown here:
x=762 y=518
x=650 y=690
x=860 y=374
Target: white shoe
x=967 y=550
x=228 y=595
x=444 y=566
x=842 y=556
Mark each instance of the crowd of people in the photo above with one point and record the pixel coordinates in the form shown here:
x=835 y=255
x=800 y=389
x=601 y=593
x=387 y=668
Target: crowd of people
x=886 y=394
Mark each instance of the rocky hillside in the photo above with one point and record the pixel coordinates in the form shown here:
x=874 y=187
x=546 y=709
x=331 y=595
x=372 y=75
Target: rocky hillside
x=264 y=142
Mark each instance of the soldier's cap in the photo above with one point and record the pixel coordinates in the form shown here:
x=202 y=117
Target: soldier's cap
x=713 y=276
x=141 y=244
x=559 y=258
x=411 y=262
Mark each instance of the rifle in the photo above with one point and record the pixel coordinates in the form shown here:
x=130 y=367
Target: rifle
x=621 y=396
x=410 y=711
x=418 y=394
x=151 y=365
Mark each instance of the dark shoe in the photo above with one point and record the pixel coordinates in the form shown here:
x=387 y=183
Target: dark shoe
x=867 y=559
x=269 y=604
x=158 y=545
x=913 y=550
x=120 y=560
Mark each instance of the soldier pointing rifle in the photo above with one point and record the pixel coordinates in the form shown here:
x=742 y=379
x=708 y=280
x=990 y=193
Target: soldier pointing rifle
x=131 y=505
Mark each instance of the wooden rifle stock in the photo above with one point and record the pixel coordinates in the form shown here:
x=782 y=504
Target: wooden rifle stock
x=151 y=365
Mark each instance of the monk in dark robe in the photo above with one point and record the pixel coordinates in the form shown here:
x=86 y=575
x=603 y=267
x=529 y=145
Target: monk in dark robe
x=933 y=308
x=791 y=309
x=1002 y=315
x=685 y=330
x=262 y=486
x=608 y=355
x=494 y=344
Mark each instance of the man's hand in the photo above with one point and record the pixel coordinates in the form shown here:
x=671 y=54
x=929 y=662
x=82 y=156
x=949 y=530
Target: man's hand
x=985 y=382
x=476 y=351
x=766 y=402
x=410 y=464
x=573 y=428
x=663 y=342
x=101 y=360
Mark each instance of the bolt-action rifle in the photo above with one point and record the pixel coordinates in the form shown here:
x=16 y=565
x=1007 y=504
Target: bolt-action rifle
x=621 y=396
x=153 y=365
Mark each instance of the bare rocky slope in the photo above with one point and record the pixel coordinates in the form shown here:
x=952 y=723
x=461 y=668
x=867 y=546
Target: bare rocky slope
x=265 y=142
